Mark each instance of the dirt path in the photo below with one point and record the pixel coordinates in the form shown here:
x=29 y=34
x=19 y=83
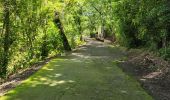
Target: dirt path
x=88 y=73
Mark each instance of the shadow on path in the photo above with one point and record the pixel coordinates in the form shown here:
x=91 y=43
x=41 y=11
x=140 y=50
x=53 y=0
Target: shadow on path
x=88 y=73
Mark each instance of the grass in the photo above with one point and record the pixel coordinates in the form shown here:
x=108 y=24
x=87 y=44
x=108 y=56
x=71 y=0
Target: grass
x=84 y=75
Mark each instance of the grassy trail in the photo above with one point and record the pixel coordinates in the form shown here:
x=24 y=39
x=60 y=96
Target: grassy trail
x=88 y=73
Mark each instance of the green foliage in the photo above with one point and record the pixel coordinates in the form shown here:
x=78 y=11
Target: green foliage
x=142 y=23
x=32 y=34
x=134 y=23
x=28 y=33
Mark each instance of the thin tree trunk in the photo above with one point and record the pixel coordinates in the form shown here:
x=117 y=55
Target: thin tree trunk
x=80 y=12
x=80 y=29
x=6 y=44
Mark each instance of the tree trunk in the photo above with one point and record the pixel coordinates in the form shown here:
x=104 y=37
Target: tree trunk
x=6 y=43
x=58 y=23
x=80 y=31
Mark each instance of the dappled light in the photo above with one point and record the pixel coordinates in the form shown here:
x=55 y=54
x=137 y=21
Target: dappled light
x=84 y=49
x=83 y=74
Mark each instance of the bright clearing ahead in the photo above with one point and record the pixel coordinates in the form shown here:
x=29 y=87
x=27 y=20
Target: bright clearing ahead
x=89 y=73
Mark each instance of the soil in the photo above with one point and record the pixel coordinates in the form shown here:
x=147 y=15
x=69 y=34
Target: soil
x=16 y=79
x=151 y=71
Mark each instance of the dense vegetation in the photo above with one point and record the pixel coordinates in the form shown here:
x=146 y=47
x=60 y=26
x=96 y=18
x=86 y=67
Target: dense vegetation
x=32 y=30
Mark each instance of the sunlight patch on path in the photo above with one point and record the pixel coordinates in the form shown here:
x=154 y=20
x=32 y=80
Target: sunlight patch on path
x=89 y=73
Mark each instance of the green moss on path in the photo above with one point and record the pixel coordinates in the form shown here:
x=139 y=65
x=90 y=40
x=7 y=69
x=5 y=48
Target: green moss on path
x=87 y=74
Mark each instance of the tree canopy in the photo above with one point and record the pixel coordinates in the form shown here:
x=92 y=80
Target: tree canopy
x=28 y=32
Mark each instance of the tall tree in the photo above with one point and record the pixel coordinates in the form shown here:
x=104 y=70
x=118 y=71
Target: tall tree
x=6 y=44
x=58 y=23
